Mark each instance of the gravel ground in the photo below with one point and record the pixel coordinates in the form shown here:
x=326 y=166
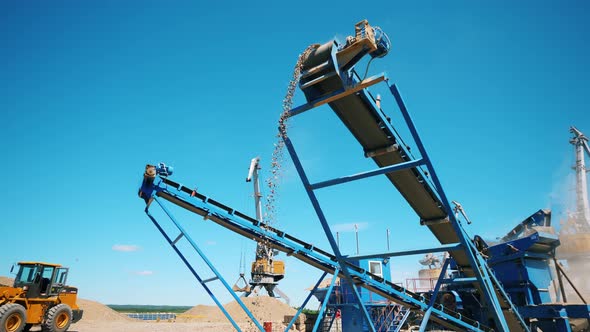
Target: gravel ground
x=142 y=326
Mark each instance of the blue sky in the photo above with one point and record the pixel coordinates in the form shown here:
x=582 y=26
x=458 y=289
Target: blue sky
x=91 y=91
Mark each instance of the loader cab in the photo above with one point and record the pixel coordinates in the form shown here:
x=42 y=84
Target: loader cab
x=40 y=279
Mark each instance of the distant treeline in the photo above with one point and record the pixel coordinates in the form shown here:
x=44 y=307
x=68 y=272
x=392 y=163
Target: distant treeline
x=133 y=308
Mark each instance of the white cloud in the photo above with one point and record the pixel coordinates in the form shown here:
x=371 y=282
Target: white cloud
x=125 y=247
x=349 y=227
x=143 y=273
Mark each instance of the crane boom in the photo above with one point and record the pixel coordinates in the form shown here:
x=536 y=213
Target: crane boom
x=266 y=271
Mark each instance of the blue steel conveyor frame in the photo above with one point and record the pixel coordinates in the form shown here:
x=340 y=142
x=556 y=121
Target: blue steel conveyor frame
x=158 y=188
x=203 y=282
x=328 y=77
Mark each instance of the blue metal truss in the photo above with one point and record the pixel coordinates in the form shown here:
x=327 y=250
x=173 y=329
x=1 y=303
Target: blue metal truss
x=485 y=282
x=339 y=86
x=294 y=319
x=203 y=282
x=460 y=247
x=185 y=197
x=162 y=187
x=324 y=303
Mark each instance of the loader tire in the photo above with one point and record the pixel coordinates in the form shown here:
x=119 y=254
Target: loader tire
x=13 y=317
x=58 y=318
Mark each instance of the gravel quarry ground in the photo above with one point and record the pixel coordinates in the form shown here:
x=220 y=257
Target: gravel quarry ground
x=100 y=318
x=143 y=326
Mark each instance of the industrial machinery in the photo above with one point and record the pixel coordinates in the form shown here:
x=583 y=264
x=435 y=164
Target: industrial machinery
x=158 y=189
x=39 y=296
x=266 y=271
x=524 y=263
x=575 y=230
x=385 y=314
x=329 y=78
x=582 y=214
x=473 y=299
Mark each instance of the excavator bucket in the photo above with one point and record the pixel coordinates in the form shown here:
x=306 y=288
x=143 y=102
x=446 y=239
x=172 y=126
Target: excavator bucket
x=241 y=285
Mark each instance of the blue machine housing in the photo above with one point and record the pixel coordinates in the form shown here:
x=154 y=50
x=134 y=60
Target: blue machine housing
x=378 y=267
x=386 y=315
x=523 y=267
x=522 y=264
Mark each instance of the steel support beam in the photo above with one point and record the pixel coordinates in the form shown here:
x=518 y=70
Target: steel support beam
x=434 y=294
x=210 y=265
x=479 y=266
x=563 y=324
x=324 y=223
x=337 y=94
x=441 y=248
x=460 y=281
x=560 y=269
x=193 y=271
x=402 y=321
x=325 y=303
x=358 y=176
x=307 y=300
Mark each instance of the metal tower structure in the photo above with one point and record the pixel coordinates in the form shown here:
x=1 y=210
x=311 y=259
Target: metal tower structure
x=575 y=231
x=582 y=216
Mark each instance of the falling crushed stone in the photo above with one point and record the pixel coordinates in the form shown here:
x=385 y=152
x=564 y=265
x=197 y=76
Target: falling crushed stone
x=276 y=169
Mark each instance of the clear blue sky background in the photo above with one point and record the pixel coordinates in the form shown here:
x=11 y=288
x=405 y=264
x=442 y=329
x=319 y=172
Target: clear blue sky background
x=91 y=91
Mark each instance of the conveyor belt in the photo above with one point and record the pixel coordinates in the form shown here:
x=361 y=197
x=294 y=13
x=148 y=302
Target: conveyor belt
x=251 y=228
x=367 y=122
x=370 y=126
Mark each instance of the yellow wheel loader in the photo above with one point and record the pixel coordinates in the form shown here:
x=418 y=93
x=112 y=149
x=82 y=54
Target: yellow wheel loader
x=39 y=296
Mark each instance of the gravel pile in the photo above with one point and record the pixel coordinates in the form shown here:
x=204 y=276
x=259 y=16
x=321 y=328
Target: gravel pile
x=93 y=311
x=264 y=309
x=5 y=281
